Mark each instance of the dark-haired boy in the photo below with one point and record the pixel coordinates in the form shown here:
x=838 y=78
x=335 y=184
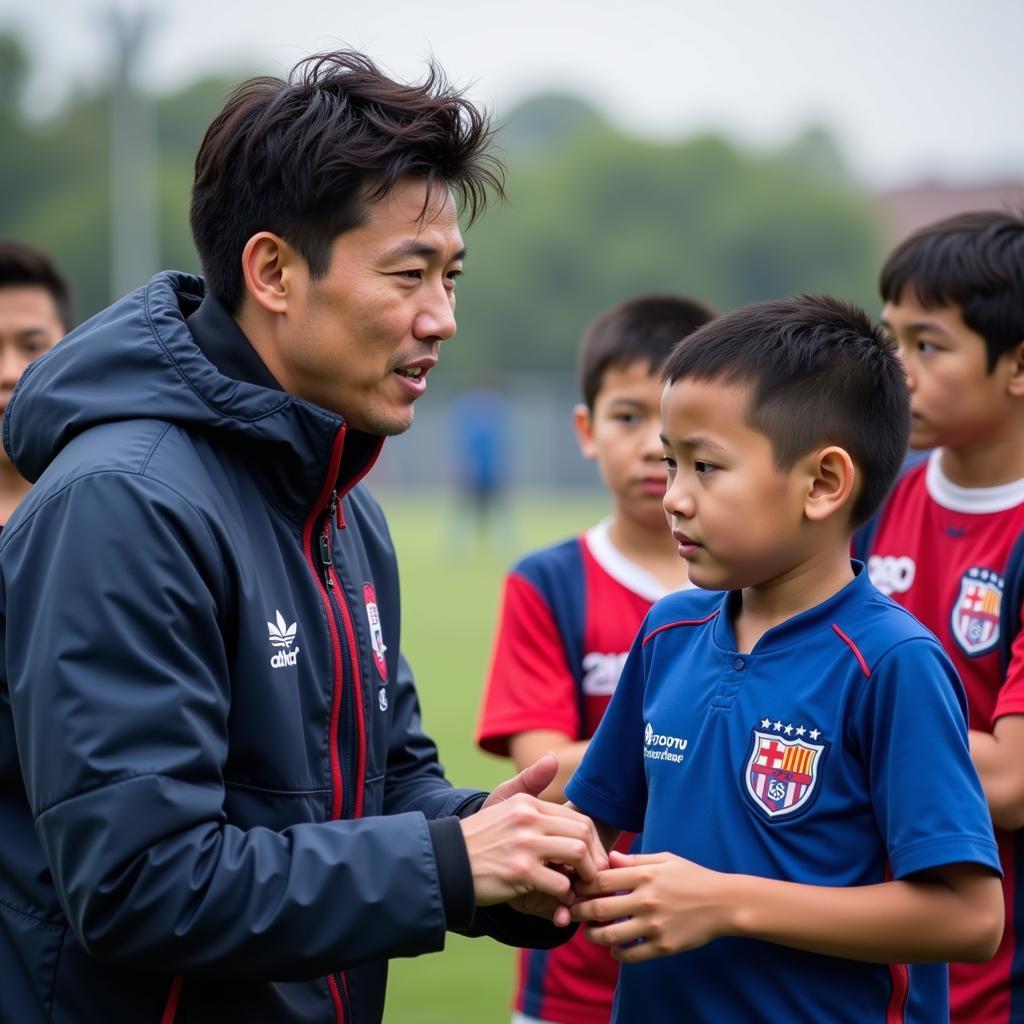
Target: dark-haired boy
x=795 y=751
x=949 y=542
x=217 y=801
x=35 y=313
x=570 y=611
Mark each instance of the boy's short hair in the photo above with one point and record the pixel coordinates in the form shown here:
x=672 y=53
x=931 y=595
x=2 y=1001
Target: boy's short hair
x=974 y=261
x=302 y=157
x=819 y=373
x=21 y=266
x=644 y=328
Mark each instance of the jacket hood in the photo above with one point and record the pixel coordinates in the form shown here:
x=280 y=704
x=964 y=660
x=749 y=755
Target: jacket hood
x=138 y=360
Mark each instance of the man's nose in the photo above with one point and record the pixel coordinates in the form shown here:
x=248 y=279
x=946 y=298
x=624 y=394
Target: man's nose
x=436 y=319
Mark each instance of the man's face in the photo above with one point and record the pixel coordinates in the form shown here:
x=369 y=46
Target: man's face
x=737 y=519
x=622 y=435
x=955 y=401
x=361 y=339
x=29 y=326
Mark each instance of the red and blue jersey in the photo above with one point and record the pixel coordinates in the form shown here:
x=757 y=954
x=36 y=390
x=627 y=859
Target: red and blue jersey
x=569 y=615
x=952 y=555
x=802 y=761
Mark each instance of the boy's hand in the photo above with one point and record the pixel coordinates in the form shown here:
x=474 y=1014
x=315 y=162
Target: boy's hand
x=650 y=905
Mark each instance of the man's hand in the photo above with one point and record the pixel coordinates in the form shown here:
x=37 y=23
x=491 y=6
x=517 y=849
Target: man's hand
x=517 y=845
x=652 y=905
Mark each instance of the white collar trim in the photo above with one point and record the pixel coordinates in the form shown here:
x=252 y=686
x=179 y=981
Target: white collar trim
x=619 y=567
x=972 y=500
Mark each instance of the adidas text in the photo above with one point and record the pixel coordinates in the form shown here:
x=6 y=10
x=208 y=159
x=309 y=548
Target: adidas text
x=284 y=659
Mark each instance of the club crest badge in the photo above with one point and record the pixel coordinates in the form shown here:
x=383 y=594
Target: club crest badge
x=376 y=633
x=782 y=772
x=975 y=619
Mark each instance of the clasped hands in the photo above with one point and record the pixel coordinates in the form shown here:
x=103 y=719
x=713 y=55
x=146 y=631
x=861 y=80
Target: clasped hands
x=547 y=859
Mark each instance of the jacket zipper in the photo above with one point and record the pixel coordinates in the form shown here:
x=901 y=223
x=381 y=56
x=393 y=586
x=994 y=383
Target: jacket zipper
x=346 y=702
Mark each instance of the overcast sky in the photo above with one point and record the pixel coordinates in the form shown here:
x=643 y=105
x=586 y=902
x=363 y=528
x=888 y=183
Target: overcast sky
x=911 y=88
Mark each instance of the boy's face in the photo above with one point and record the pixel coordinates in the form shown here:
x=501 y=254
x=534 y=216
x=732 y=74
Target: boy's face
x=737 y=519
x=29 y=326
x=955 y=402
x=622 y=435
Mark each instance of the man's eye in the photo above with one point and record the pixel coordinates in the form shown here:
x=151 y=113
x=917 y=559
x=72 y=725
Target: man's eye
x=413 y=275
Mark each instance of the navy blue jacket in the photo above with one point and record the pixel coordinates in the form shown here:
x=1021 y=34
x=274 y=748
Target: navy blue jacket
x=216 y=799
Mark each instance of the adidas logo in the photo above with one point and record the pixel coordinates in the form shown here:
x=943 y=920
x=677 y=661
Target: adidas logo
x=282 y=636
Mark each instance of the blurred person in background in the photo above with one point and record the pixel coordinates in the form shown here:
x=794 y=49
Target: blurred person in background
x=217 y=801
x=480 y=441
x=35 y=313
x=570 y=611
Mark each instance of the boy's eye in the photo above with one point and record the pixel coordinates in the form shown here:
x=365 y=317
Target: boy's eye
x=927 y=346
x=670 y=463
x=702 y=467
x=625 y=417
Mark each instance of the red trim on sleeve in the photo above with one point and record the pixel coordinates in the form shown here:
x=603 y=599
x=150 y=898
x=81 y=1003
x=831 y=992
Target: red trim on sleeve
x=856 y=653
x=171 y=1006
x=681 y=622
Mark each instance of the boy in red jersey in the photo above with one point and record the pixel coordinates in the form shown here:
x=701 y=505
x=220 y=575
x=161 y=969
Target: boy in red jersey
x=949 y=543
x=571 y=611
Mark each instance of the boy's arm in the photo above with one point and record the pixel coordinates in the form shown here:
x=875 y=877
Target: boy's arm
x=527 y=747
x=999 y=758
x=670 y=904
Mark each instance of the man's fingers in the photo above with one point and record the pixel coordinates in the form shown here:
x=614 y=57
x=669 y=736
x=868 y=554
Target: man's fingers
x=532 y=781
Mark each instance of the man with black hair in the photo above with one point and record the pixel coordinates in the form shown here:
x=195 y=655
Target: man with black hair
x=35 y=313
x=217 y=800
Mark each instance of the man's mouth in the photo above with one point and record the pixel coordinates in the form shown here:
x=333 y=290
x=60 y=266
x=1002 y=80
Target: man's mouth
x=412 y=372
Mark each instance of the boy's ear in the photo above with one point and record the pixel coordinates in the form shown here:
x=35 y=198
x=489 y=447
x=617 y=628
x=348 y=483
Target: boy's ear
x=832 y=480
x=1015 y=384
x=269 y=267
x=583 y=423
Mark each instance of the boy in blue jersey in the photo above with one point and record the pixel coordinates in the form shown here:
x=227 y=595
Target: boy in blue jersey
x=795 y=749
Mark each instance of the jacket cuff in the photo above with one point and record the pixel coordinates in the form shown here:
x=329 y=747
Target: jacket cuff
x=453 y=872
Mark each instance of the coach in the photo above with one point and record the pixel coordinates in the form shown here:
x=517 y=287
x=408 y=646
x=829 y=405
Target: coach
x=216 y=799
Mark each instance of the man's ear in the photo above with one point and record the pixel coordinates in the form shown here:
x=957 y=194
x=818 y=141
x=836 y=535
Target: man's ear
x=583 y=424
x=832 y=481
x=1015 y=383
x=269 y=266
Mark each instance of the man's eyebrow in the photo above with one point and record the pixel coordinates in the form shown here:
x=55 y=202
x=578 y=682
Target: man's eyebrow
x=421 y=249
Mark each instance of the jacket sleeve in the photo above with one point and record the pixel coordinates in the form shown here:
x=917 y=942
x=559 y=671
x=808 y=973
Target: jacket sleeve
x=118 y=680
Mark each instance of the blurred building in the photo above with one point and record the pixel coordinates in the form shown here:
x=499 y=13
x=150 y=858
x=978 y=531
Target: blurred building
x=904 y=210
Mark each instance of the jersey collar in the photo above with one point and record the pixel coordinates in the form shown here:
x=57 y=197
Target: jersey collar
x=972 y=500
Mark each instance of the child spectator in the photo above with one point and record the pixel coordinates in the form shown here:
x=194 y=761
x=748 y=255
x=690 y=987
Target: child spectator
x=570 y=611
x=35 y=313
x=949 y=542
x=795 y=749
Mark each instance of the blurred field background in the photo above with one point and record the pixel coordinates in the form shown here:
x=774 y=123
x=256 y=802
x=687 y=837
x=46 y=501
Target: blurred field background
x=450 y=594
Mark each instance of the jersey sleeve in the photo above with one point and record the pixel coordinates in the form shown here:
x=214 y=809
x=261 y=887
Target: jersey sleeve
x=911 y=725
x=610 y=784
x=1010 y=700
x=530 y=684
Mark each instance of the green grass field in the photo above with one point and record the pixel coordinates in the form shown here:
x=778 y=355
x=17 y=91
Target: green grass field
x=449 y=605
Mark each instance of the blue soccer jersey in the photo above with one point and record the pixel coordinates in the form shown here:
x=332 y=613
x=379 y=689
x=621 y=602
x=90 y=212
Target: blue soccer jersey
x=835 y=753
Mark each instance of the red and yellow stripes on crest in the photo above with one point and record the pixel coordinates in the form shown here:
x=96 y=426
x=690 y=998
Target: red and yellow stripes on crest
x=798 y=759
